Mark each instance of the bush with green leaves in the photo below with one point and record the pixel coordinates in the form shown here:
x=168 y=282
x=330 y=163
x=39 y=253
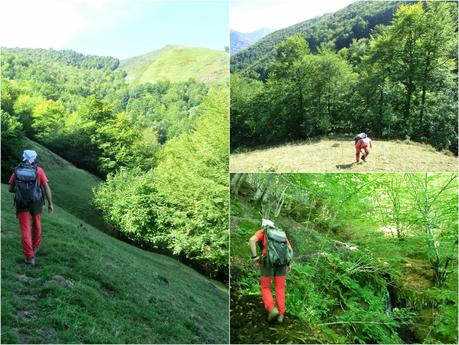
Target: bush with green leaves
x=12 y=135
x=182 y=203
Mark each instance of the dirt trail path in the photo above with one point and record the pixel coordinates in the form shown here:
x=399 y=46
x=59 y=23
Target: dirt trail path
x=249 y=325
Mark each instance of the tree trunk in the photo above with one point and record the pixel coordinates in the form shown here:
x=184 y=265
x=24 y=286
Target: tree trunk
x=262 y=188
x=421 y=115
x=298 y=125
x=381 y=107
x=235 y=182
x=409 y=94
x=423 y=96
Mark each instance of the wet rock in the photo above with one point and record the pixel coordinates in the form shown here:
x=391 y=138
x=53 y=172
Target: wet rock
x=26 y=315
x=163 y=280
x=23 y=278
x=60 y=280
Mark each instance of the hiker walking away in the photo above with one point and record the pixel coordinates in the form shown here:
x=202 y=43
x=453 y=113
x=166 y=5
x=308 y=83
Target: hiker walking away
x=27 y=182
x=275 y=262
x=362 y=143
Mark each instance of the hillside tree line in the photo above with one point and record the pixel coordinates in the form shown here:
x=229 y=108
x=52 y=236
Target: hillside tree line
x=401 y=83
x=160 y=148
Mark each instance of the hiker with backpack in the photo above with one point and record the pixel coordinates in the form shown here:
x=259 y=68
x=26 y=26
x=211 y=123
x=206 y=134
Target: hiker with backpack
x=274 y=262
x=362 y=142
x=26 y=183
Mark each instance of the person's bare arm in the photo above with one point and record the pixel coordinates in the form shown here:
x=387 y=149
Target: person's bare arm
x=49 y=197
x=11 y=183
x=253 y=245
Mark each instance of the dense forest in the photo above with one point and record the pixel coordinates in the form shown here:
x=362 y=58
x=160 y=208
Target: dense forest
x=375 y=257
x=365 y=68
x=142 y=139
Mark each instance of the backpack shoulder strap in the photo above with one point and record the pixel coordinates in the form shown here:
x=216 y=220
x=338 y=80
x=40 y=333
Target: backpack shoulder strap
x=265 y=238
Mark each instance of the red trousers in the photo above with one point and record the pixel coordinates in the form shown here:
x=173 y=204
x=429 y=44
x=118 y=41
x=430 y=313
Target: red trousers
x=358 y=147
x=30 y=236
x=279 y=285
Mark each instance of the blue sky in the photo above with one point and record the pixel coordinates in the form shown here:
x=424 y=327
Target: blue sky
x=250 y=15
x=119 y=28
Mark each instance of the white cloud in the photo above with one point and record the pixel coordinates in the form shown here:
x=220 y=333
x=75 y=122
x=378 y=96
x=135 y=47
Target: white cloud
x=45 y=23
x=250 y=15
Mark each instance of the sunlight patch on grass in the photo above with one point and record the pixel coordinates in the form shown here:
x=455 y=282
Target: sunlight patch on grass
x=339 y=156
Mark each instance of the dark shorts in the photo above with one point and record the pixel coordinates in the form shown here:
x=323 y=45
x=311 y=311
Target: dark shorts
x=34 y=208
x=268 y=270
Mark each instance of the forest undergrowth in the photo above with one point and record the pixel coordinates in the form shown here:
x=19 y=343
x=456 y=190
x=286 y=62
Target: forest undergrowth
x=352 y=281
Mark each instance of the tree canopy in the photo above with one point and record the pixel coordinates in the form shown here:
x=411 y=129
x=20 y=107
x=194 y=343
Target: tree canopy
x=400 y=83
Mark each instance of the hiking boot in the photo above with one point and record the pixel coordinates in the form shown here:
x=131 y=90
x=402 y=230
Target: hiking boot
x=30 y=261
x=273 y=314
x=280 y=318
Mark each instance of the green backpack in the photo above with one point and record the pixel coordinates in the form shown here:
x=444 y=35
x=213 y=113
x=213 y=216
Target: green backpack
x=277 y=251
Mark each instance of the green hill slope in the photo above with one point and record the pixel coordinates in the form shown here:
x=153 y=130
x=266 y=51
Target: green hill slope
x=177 y=64
x=91 y=288
x=339 y=155
x=335 y=29
x=71 y=187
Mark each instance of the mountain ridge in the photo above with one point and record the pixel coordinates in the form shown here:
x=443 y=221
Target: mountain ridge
x=355 y=21
x=241 y=40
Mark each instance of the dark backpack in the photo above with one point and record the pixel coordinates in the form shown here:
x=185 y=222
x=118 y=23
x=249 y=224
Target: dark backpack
x=277 y=251
x=27 y=190
x=359 y=136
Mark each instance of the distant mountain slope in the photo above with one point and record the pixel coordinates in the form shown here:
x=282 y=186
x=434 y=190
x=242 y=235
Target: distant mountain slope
x=176 y=64
x=337 y=29
x=89 y=287
x=241 y=40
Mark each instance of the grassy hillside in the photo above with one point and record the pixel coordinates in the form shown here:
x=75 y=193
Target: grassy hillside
x=335 y=29
x=71 y=187
x=336 y=155
x=177 y=64
x=91 y=288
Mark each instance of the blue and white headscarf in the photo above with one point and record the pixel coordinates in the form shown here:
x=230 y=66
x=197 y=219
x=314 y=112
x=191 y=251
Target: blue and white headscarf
x=29 y=156
x=267 y=222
